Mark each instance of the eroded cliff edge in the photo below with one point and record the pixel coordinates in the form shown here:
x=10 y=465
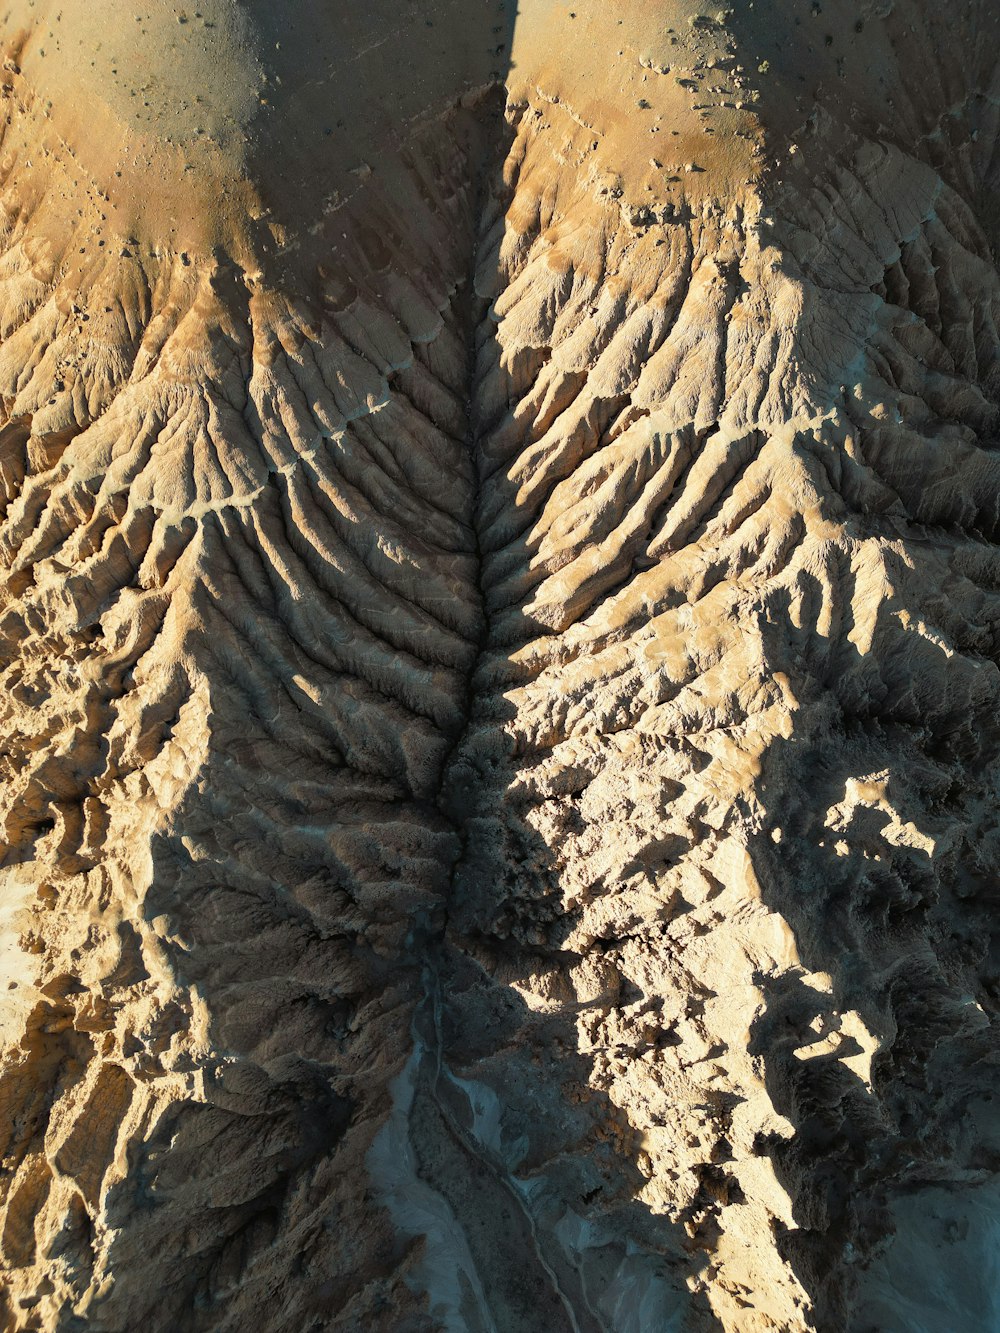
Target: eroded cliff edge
x=500 y=644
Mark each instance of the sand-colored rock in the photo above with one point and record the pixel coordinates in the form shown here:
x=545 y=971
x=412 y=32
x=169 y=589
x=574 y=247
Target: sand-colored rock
x=500 y=666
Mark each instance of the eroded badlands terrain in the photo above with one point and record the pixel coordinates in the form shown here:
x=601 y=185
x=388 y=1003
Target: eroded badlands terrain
x=499 y=642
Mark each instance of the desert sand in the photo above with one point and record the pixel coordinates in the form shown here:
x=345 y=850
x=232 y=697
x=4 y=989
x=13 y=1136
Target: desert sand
x=499 y=634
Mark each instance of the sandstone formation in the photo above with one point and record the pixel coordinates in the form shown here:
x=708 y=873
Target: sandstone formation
x=500 y=634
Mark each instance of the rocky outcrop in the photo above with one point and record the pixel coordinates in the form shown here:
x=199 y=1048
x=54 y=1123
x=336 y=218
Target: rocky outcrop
x=500 y=657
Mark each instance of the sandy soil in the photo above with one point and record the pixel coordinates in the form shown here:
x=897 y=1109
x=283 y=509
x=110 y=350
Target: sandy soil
x=500 y=656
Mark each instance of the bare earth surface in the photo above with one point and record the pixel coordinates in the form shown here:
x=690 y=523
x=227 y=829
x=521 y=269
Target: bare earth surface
x=499 y=633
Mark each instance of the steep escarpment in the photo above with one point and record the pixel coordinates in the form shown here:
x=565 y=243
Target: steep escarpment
x=500 y=648
x=737 y=516
x=241 y=610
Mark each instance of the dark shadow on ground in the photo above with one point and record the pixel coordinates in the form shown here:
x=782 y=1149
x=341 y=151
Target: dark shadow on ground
x=894 y=899
x=538 y=1165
